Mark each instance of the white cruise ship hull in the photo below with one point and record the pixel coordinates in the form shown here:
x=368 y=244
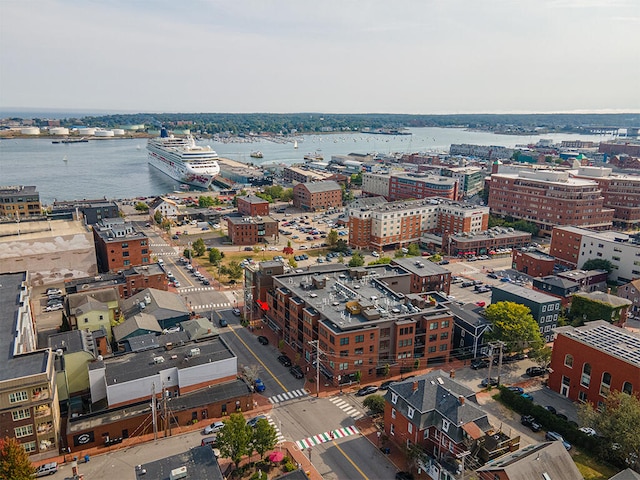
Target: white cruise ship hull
x=180 y=173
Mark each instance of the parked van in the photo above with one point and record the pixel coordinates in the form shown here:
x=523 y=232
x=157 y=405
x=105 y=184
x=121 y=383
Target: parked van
x=210 y=441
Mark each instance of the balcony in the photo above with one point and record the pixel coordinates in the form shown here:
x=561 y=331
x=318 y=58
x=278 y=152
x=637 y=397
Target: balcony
x=44 y=428
x=42 y=411
x=39 y=394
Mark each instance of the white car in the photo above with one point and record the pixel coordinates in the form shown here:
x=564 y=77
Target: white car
x=303 y=247
x=216 y=226
x=53 y=291
x=176 y=283
x=54 y=307
x=375 y=254
x=215 y=427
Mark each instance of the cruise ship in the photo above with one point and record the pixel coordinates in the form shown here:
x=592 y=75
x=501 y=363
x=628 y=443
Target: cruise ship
x=183 y=160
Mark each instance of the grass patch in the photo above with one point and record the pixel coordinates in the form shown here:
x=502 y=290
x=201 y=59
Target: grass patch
x=590 y=469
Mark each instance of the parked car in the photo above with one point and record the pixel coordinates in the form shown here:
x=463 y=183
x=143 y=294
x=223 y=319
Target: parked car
x=527 y=396
x=252 y=422
x=588 y=431
x=53 y=308
x=387 y=384
x=530 y=421
x=368 y=390
x=262 y=340
x=296 y=371
x=404 y=476
x=213 y=428
x=46 y=469
x=259 y=385
x=555 y=436
x=492 y=275
x=535 y=371
x=206 y=281
x=479 y=363
x=53 y=291
x=551 y=409
x=516 y=390
x=489 y=381
x=284 y=360
x=236 y=312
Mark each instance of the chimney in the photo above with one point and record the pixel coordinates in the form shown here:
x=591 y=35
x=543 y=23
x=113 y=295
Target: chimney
x=461 y=399
x=608 y=290
x=415 y=386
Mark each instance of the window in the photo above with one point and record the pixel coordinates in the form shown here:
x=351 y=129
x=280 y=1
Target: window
x=393 y=413
x=433 y=326
x=21 y=414
x=445 y=425
x=23 y=431
x=585 y=379
x=444 y=335
x=409 y=427
x=605 y=384
x=344 y=341
x=359 y=338
x=343 y=366
x=627 y=388
x=445 y=324
x=16 y=397
x=582 y=397
x=568 y=361
x=29 y=447
x=392 y=429
x=359 y=351
x=394 y=398
x=443 y=347
x=410 y=412
x=344 y=353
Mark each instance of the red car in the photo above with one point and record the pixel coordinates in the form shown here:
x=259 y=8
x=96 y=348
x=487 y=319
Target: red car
x=481 y=304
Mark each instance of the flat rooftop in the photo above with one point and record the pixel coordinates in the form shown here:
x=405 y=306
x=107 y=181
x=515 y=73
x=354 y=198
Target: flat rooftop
x=146 y=363
x=523 y=292
x=421 y=267
x=239 y=219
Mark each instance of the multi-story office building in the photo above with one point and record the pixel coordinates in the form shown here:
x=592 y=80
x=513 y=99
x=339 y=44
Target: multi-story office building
x=93 y=211
x=493 y=241
x=400 y=186
x=314 y=196
x=544 y=308
x=401 y=223
x=244 y=230
x=620 y=192
x=548 y=198
x=258 y=280
x=303 y=175
x=590 y=361
x=426 y=276
x=119 y=246
x=19 y=201
x=573 y=246
x=470 y=179
x=533 y=262
x=252 y=206
x=29 y=410
x=363 y=319
x=486 y=152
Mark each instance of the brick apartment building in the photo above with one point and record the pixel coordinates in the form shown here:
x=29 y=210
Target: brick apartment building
x=128 y=282
x=533 y=262
x=548 y=198
x=119 y=246
x=315 y=196
x=426 y=276
x=245 y=230
x=401 y=186
x=620 y=192
x=252 y=206
x=258 y=280
x=590 y=361
x=364 y=319
x=617 y=148
x=572 y=247
x=19 y=202
x=395 y=224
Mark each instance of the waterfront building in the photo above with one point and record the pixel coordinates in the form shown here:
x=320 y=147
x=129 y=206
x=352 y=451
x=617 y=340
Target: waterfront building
x=245 y=230
x=485 y=152
x=572 y=246
x=29 y=408
x=303 y=175
x=19 y=201
x=119 y=246
x=590 y=361
x=168 y=208
x=252 y=206
x=620 y=147
x=313 y=196
x=93 y=211
x=402 y=185
x=548 y=198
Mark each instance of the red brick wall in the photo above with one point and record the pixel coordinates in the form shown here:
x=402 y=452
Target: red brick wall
x=535 y=267
x=565 y=247
x=245 y=207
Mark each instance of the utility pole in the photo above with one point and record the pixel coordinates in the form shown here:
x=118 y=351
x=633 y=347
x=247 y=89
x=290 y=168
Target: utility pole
x=315 y=343
x=497 y=345
x=153 y=411
x=462 y=456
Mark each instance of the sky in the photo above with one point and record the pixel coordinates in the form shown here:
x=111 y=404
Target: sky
x=330 y=56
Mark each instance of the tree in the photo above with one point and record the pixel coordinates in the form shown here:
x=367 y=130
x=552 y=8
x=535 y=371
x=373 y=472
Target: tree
x=332 y=237
x=157 y=217
x=265 y=437
x=206 y=201
x=357 y=260
x=398 y=254
x=514 y=325
x=356 y=178
x=618 y=421
x=598 y=264
x=199 y=247
x=542 y=355
x=341 y=246
x=233 y=270
x=14 y=461
x=414 y=250
x=381 y=261
x=375 y=404
x=142 y=207
x=357 y=376
x=340 y=258
x=215 y=256
x=287 y=195
x=234 y=440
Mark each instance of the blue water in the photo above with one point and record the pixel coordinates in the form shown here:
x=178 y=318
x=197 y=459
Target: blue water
x=118 y=168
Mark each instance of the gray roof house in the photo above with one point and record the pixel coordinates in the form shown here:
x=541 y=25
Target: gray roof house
x=168 y=308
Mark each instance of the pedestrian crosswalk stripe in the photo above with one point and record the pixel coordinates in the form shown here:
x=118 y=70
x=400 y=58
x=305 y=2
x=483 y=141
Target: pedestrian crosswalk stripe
x=282 y=397
x=213 y=305
x=326 y=437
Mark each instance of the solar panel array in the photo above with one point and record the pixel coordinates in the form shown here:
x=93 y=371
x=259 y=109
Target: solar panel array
x=612 y=340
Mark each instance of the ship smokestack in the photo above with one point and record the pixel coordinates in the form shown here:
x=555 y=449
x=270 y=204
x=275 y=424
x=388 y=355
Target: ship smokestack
x=163 y=133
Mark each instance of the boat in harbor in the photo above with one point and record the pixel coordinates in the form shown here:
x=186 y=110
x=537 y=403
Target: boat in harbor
x=74 y=140
x=183 y=160
x=314 y=157
x=256 y=154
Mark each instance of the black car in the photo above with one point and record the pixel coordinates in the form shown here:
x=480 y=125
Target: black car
x=284 y=360
x=206 y=282
x=535 y=371
x=551 y=409
x=479 y=363
x=492 y=275
x=530 y=421
x=222 y=322
x=262 y=340
x=387 y=384
x=404 y=476
x=368 y=390
x=296 y=371
x=489 y=381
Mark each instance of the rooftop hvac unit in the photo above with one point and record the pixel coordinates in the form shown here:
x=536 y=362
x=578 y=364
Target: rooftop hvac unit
x=194 y=352
x=147 y=299
x=178 y=473
x=158 y=359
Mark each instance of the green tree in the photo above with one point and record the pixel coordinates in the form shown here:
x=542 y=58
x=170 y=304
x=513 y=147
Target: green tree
x=381 y=261
x=234 y=439
x=398 y=254
x=357 y=260
x=414 y=250
x=215 y=256
x=375 y=404
x=142 y=207
x=187 y=253
x=14 y=461
x=206 y=201
x=618 y=422
x=157 y=217
x=340 y=258
x=199 y=247
x=356 y=179
x=332 y=237
x=265 y=196
x=341 y=246
x=513 y=324
x=541 y=355
x=265 y=437
x=598 y=264
x=233 y=270
x=358 y=376
x=287 y=195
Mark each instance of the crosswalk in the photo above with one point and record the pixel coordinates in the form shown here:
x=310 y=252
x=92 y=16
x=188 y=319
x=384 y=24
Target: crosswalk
x=346 y=408
x=283 y=397
x=209 y=306
x=279 y=436
x=195 y=289
x=326 y=437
